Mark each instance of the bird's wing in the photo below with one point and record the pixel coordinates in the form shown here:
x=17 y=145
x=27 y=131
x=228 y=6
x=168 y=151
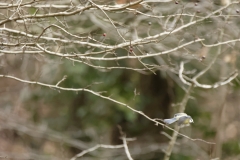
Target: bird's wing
x=170 y=121
x=180 y=114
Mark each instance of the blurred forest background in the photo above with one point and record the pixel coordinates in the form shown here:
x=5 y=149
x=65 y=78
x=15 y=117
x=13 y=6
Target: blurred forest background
x=77 y=74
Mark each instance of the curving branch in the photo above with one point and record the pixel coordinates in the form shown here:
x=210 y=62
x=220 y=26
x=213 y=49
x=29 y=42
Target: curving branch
x=193 y=81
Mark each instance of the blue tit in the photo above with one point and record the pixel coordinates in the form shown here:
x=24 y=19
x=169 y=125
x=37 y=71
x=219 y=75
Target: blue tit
x=185 y=121
x=182 y=118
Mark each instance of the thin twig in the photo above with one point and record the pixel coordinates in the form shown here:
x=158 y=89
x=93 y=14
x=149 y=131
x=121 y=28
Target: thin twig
x=95 y=148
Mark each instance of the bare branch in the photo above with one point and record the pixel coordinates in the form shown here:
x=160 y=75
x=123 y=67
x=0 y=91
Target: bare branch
x=64 y=77
x=177 y=128
x=181 y=74
x=126 y=148
x=227 y=80
x=95 y=148
x=101 y=96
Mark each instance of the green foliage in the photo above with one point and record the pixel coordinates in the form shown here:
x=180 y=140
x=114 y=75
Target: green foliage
x=180 y=157
x=91 y=111
x=231 y=148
